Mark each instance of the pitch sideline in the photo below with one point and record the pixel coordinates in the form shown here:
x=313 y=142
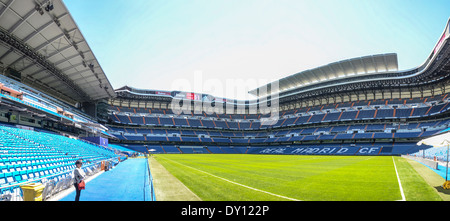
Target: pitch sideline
x=399 y=182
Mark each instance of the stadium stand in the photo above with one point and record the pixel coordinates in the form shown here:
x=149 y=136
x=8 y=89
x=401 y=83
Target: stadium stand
x=364 y=123
x=43 y=157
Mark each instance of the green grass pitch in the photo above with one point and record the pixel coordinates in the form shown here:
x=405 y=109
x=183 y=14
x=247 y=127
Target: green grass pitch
x=242 y=177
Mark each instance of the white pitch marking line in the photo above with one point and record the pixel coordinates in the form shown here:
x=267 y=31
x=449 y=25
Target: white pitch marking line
x=273 y=194
x=399 y=182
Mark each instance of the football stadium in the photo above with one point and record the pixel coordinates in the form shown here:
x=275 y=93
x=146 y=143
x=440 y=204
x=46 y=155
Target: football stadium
x=357 y=129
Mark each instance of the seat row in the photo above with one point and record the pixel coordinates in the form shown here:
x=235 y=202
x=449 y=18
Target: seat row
x=284 y=121
x=380 y=103
x=26 y=154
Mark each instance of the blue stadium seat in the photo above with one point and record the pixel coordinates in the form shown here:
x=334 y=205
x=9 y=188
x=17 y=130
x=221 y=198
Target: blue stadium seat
x=34 y=154
x=215 y=149
x=385 y=113
x=332 y=116
x=366 y=114
x=170 y=149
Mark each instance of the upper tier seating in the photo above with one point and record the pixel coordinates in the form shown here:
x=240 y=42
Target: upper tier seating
x=350 y=111
x=332 y=133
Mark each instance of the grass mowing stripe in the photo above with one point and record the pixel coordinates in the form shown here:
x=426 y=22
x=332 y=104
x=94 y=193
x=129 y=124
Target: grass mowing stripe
x=308 y=178
x=273 y=194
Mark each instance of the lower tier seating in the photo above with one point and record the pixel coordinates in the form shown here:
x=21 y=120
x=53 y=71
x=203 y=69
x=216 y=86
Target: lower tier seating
x=27 y=155
x=311 y=149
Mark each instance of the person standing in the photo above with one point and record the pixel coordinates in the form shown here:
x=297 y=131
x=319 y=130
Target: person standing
x=79 y=176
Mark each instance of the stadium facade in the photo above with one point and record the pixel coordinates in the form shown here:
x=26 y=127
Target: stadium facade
x=52 y=83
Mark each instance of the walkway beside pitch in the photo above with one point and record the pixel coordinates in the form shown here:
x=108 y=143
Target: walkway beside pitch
x=167 y=186
x=434 y=178
x=128 y=181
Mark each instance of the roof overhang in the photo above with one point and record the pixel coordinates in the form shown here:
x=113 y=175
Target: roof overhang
x=40 y=39
x=373 y=64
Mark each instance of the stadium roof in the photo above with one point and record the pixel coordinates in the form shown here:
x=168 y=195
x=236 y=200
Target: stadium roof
x=374 y=77
x=357 y=66
x=40 y=39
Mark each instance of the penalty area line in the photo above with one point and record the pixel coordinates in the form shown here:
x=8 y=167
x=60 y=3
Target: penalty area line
x=399 y=182
x=235 y=183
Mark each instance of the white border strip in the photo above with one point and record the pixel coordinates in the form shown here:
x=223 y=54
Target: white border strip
x=399 y=182
x=273 y=194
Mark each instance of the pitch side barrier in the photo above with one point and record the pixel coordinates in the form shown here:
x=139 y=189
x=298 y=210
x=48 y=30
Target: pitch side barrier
x=336 y=150
x=325 y=149
x=431 y=163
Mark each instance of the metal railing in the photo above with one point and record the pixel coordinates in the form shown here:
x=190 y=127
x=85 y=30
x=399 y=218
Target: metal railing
x=148 y=184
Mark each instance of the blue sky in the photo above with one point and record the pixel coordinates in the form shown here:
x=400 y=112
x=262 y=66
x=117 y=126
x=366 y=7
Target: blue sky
x=156 y=44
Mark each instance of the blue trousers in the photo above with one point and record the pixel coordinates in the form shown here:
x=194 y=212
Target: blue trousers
x=78 y=191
